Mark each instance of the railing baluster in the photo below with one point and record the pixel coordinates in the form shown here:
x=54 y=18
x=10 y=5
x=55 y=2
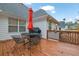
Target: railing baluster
x=68 y=37
x=75 y=37
x=72 y=34
x=71 y=37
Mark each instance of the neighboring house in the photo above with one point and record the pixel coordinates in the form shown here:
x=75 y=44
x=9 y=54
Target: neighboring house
x=11 y=25
x=9 y=22
x=62 y=25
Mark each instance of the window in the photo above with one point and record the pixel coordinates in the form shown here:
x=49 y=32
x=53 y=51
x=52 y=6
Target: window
x=13 y=22
x=22 y=23
x=22 y=28
x=13 y=29
x=13 y=25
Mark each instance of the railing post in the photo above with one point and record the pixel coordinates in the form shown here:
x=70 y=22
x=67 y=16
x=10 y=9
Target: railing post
x=47 y=34
x=59 y=36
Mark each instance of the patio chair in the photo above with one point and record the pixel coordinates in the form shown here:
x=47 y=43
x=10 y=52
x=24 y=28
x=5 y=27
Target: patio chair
x=19 y=40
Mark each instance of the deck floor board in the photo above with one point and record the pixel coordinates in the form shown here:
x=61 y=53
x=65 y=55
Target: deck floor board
x=49 y=48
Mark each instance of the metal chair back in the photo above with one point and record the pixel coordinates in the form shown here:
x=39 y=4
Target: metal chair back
x=18 y=38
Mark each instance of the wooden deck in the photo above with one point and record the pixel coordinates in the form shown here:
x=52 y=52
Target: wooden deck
x=49 y=48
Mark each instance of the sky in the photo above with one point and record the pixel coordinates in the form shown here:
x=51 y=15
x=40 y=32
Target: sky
x=69 y=11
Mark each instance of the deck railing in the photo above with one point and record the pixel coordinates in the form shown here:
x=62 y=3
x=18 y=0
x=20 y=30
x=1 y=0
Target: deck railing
x=67 y=36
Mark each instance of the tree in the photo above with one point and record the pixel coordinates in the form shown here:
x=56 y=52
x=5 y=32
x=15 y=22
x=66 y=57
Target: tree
x=69 y=24
x=64 y=19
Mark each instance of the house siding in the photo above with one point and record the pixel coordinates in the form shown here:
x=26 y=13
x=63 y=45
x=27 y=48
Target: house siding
x=41 y=23
x=3 y=27
x=3 y=24
x=10 y=10
x=53 y=35
x=42 y=26
x=4 y=34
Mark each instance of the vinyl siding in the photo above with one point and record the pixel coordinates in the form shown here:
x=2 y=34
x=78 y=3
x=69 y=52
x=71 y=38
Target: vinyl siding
x=53 y=35
x=41 y=23
x=3 y=27
x=3 y=24
x=4 y=34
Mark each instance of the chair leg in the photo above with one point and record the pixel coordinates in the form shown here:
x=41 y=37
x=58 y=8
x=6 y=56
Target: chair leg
x=14 y=48
x=40 y=45
x=29 y=48
x=30 y=51
x=24 y=45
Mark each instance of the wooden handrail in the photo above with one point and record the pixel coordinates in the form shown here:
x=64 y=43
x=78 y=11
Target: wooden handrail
x=63 y=31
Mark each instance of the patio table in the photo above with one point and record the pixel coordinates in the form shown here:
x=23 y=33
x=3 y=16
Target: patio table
x=31 y=38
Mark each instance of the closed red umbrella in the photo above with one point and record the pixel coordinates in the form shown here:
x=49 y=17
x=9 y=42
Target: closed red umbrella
x=30 y=23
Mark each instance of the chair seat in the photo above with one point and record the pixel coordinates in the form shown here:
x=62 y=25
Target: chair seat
x=18 y=38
